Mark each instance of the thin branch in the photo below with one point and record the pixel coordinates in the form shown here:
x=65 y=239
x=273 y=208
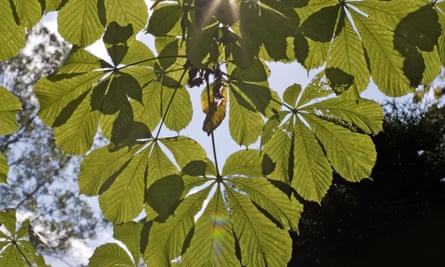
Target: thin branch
x=212 y=133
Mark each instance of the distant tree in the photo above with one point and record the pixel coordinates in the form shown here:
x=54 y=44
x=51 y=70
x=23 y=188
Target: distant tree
x=42 y=179
x=406 y=185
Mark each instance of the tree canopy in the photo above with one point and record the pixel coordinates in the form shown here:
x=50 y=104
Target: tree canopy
x=171 y=204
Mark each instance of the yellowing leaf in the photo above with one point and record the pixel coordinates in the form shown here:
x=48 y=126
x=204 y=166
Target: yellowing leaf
x=213 y=103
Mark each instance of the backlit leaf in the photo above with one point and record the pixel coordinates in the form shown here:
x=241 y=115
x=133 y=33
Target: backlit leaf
x=3 y=169
x=28 y=11
x=12 y=36
x=110 y=254
x=165 y=240
x=261 y=242
x=8 y=111
x=127 y=12
x=78 y=22
x=213 y=243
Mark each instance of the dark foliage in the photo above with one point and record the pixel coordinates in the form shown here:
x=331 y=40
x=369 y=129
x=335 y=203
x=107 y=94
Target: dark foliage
x=395 y=219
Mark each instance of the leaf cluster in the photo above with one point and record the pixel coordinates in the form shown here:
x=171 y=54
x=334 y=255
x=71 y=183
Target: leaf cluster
x=193 y=212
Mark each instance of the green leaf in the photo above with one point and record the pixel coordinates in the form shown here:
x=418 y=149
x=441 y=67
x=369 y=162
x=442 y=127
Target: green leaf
x=366 y=115
x=261 y=242
x=159 y=165
x=287 y=211
x=129 y=234
x=12 y=36
x=245 y=125
x=8 y=111
x=51 y=5
x=278 y=148
x=28 y=12
x=320 y=26
x=163 y=19
x=385 y=62
x=184 y=150
x=127 y=12
x=124 y=199
x=165 y=240
x=347 y=54
x=312 y=171
x=110 y=255
x=28 y=251
x=56 y=93
x=244 y=162
x=164 y=195
x=99 y=166
x=351 y=154
x=7 y=218
x=11 y=257
x=179 y=113
x=4 y=169
x=291 y=94
x=213 y=243
x=76 y=135
x=78 y=22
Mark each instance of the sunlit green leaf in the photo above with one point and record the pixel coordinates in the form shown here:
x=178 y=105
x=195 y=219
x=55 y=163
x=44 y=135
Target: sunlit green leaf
x=127 y=12
x=351 y=154
x=78 y=22
x=29 y=12
x=8 y=110
x=110 y=254
x=164 y=19
x=3 y=168
x=124 y=199
x=213 y=243
x=261 y=242
x=312 y=172
x=12 y=36
x=244 y=162
x=244 y=124
x=99 y=166
x=130 y=235
x=184 y=149
x=278 y=148
x=286 y=211
x=165 y=240
x=7 y=218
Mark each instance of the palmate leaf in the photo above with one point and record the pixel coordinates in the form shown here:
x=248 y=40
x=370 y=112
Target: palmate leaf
x=347 y=54
x=127 y=12
x=244 y=124
x=28 y=12
x=323 y=133
x=124 y=198
x=8 y=111
x=79 y=23
x=120 y=177
x=110 y=254
x=312 y=172
x=261 y=242
x=213 y=243
x=129 y=234
x=87 y=92
x=15 y=248
x=12 y=36
x=165 y=240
